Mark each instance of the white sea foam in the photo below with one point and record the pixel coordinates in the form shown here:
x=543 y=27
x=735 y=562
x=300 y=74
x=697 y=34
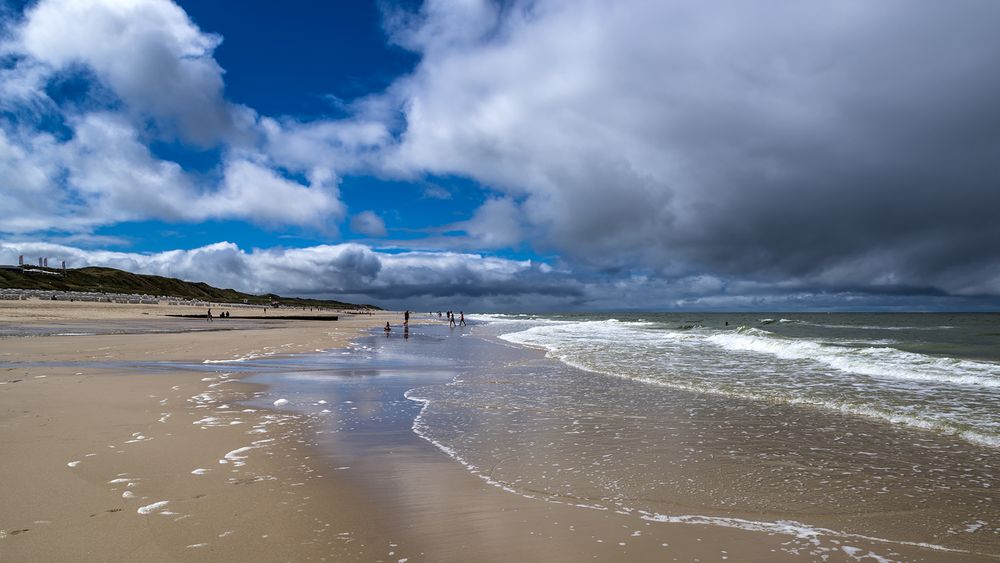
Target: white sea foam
x=151 y=508
x=244 y=358
x=235 y=457
x=875 y=362
x=138 y=437
x=280 y=402
x=783 y=527
x=522 y=318
x=883 y=362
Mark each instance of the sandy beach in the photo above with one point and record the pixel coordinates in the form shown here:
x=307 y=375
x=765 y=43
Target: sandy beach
x=127 y=446
x=103 y=463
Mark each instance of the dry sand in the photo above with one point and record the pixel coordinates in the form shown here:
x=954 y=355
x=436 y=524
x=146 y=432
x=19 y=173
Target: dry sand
x=109 y=458
x=173 y=339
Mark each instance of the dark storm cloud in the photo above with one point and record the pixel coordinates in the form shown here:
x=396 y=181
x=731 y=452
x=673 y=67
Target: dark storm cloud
x=850 y=145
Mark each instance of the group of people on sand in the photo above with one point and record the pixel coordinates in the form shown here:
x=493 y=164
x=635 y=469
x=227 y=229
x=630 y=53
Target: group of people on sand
x=222 y=315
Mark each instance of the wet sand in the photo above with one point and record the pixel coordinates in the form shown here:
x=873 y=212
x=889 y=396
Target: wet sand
x=438 y=511
x=124 y=447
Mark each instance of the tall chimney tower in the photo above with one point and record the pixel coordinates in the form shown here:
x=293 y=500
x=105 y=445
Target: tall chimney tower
x=64 y=266
x=39 y=260
x=20 y=260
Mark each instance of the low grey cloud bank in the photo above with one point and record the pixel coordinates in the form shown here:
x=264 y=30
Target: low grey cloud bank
x=461 y=281
x=343 y=271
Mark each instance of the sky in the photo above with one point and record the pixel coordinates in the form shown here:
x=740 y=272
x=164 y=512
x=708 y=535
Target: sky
x=536 y=155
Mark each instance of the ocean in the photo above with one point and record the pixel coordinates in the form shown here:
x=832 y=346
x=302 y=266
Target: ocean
x=829 y=426
x=939 y=372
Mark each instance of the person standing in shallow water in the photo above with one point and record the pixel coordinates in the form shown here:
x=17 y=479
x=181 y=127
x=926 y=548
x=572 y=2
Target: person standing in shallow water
x=461 y=317
x=406 y=318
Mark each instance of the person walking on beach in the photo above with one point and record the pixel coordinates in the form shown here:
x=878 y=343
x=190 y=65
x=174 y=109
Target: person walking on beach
x=406 y=318
x=461 y=316
x=387 y=329
x=209 y=316
x=451 y=319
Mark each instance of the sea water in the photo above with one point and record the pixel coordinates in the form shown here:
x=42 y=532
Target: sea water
x=930 y=371
x=882 y=426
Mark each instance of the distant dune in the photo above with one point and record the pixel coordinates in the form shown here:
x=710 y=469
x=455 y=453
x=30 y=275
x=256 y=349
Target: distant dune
x=110 y=280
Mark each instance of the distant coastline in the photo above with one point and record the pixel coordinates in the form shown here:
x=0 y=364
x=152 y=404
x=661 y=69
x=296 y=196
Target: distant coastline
x=113 y=285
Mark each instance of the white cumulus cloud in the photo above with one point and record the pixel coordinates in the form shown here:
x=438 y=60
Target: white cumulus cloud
x=148 y=51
